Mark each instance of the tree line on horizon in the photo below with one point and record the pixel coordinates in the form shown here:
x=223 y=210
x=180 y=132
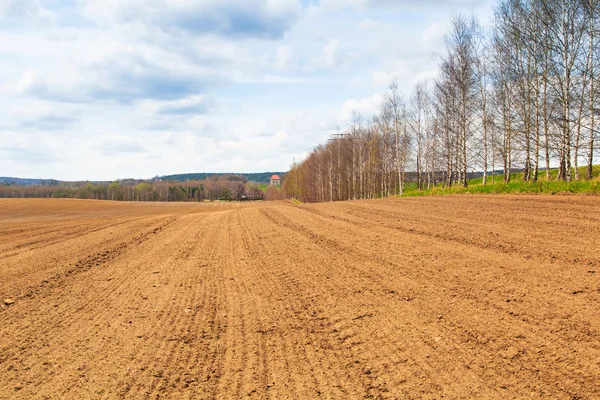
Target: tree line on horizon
x=522 y=94
x=218 y=187
x=259 y=177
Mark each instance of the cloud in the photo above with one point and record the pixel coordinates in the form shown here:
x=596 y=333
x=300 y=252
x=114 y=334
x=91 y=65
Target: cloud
x=128 y=79
x=367 y=107
x=284 y=59
x=202 y=128
x=26 y=10
x=40 y=117
x=28 y=153
x=118 y=144
x=178 y=115
x=30 y=83
x=123 y=78
x=337 y=4
x=50 y=122
x=268 y=19
x=331 y=54
x=435 y=32
x=189 y=105
x=264 y=134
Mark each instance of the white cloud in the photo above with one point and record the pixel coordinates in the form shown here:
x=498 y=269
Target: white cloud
x=26 y=10
x=195 y=104
x=366 y=107
x=28 y=82
x=435 y=33
x=123 y=78
x=235 y=18
x=338 y=4
x=331 y=54
x=118 y=144
x=284 y=59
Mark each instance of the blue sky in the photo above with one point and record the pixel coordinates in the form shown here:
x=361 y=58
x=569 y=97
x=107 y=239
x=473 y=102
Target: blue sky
x=109 y=89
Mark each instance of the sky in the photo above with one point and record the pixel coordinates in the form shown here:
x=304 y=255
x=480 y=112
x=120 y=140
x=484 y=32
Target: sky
x=115 y=89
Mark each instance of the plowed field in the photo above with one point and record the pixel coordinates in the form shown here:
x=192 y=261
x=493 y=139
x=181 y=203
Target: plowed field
x=450 y=297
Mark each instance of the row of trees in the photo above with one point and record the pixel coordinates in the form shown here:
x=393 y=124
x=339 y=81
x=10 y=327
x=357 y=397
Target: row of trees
x=522 y=95
x=200 y=176
x=216 y=188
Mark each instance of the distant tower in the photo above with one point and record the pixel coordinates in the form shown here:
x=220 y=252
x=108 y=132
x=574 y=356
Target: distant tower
x=275 y=180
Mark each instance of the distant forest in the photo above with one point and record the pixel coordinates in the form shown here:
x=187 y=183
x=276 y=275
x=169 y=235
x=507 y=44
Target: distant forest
x=225 y=187
x=8 y=181
x=260 y=177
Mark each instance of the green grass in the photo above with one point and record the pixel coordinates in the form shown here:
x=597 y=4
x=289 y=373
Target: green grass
x=541 y=175
x=517 y=185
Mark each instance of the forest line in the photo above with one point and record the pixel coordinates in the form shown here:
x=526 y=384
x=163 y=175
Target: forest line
x=217 y=187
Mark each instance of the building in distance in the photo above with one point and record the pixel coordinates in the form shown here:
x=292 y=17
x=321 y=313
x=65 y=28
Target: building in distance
x=275 y=180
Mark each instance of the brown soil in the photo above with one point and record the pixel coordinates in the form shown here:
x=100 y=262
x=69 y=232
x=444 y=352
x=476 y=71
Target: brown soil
x=452 y=297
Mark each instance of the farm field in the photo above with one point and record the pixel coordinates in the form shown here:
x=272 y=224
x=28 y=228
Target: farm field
x=435 y=297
